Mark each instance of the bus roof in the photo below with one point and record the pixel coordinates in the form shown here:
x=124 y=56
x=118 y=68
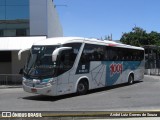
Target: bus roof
x=63 y=40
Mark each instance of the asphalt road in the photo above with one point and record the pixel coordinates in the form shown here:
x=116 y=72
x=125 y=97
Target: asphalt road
x=139 y=96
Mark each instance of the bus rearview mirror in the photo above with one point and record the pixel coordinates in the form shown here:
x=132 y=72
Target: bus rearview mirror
x=20 y=52
x=57 y=51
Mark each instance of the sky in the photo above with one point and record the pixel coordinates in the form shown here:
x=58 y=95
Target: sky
x=100 y=18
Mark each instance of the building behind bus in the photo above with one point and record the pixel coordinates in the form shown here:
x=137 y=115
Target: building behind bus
x=22 y=22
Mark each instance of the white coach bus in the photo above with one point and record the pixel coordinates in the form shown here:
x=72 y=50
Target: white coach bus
x=64 y=65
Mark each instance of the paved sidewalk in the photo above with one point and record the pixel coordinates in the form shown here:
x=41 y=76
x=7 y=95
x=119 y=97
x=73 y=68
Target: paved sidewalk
x=153 y=76
x=10 y=86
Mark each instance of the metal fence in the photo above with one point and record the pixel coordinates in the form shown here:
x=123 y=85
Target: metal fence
x=152 y=72
x=152 y=67
x=10 y=79
x=152 y=60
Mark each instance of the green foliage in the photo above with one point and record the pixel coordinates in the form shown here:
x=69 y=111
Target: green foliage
x=139 y=37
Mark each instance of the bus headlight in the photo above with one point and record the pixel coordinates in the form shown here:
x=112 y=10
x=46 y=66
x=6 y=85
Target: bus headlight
x=24 y=79
x=52 y=81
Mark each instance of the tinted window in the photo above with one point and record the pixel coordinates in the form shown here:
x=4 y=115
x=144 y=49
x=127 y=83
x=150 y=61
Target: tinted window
x=119 y=54
x=14 y=14
x=2 y=2
x=17 y=2
x=75 y=46
x=2 y=12
x=21 y=32
x=103 y=53
x=67 y=58
x=92 y=53
x=1 y=33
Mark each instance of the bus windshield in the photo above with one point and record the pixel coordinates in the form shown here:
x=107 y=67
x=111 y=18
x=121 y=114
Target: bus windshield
x=39 y=62
x=41 y=66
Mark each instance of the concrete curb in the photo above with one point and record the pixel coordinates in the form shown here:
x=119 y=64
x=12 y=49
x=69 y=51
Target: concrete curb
x=153 y=77
x=10 y=86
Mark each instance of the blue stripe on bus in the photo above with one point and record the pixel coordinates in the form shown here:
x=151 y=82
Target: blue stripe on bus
x=114 y=69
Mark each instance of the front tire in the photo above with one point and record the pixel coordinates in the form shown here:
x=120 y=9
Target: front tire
x=130 y=79
x=82 y=88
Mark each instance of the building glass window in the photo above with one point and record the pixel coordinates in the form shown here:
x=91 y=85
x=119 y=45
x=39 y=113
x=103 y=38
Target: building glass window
x=2 y=12
x=21 y=32
x=14 y=14
x=2 y=2
x=5 y=56
x=1 y=33
x=17 y=12
x=17 y=2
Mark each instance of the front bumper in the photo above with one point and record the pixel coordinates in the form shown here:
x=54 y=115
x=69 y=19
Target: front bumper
x=36 y=89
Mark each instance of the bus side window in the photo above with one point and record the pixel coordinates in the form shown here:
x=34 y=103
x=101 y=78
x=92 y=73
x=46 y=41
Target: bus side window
x=92 y=52
x=66 y=61
x=83 y=59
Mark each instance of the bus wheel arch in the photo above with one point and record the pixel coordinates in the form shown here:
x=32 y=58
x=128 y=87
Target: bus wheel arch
x=131 y=78
x=82 y=86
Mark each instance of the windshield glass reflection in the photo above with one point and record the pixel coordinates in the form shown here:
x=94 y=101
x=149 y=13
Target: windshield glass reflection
x=40 y=62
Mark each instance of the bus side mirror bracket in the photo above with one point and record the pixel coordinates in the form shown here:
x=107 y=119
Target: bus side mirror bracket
x=57 y=51
x=21 y=71
x=20 y=52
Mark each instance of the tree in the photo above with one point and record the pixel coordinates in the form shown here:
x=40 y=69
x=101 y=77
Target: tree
x=139 y=37
x=154 y=38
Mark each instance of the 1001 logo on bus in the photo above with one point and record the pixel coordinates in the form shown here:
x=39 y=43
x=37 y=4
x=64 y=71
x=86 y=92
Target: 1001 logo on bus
x=116 y=68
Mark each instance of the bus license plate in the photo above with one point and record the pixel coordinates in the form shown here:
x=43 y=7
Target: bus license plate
x=34 y=90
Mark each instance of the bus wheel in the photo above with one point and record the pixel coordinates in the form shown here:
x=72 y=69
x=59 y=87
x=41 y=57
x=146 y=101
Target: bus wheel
x=82 y=87
x=130 y=79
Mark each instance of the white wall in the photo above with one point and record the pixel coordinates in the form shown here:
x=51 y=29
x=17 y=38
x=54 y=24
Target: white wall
x=5 y=68
x=54 y=26
x=38 y=17
x=44 y=19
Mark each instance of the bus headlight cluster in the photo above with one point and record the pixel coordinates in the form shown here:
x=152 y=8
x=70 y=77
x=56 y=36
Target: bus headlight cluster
x=52 y=81
x=24 y=79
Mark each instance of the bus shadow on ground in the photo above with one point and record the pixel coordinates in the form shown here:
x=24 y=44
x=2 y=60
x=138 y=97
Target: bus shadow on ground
x=61 y=97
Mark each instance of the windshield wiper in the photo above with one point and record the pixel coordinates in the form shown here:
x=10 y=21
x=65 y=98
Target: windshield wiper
x=31 y=66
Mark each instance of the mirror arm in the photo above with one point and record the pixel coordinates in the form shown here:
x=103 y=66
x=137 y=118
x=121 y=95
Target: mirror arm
x=20 y=52
x=56 y=52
